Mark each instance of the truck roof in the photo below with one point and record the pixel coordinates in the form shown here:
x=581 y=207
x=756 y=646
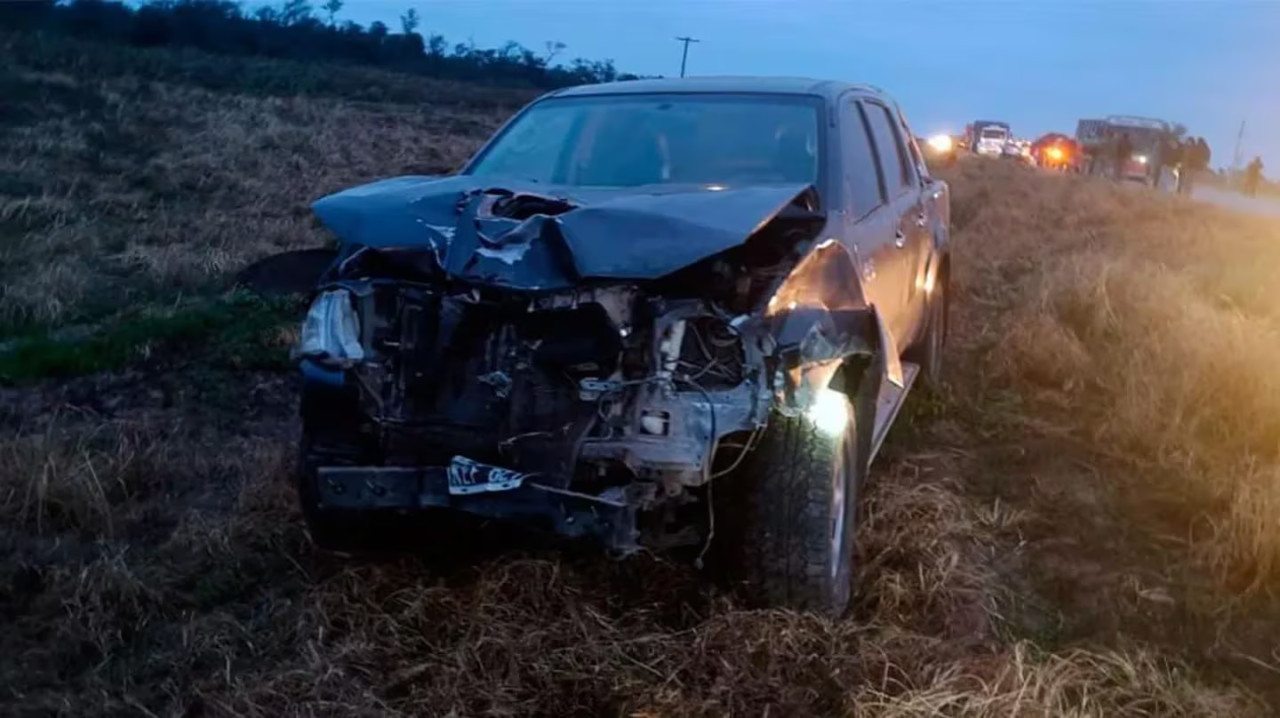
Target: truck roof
x=727 y=83
x=1149 y=123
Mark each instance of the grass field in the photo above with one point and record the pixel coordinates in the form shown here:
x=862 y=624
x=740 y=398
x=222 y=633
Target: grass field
x=1083 y=524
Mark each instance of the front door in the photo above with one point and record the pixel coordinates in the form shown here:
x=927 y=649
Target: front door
x=872 y=221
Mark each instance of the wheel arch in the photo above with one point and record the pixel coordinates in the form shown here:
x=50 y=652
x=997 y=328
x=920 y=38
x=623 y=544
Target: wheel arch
x=942 y=280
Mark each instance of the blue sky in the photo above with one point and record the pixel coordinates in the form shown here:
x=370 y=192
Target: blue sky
x=1039 y=64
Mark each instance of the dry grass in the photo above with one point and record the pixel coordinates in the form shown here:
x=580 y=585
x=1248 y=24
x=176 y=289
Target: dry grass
x=1149 y=326
x=118 y=190
x=157 y=565
x=170 y=596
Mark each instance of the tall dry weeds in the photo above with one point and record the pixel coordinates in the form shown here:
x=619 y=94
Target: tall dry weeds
x=1149 y=325
x=156 y=564
x=117 y=190
x=188 y=585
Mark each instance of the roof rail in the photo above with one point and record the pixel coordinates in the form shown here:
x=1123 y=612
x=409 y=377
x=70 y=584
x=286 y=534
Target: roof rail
x=1135 y=121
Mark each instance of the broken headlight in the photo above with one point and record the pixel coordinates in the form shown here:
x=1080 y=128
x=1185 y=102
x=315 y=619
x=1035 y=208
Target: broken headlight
x=331 y=331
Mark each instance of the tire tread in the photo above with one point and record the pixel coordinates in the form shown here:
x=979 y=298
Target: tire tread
x=784 y=505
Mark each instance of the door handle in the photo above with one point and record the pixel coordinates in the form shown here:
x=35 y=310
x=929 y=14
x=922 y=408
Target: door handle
x=900 y=239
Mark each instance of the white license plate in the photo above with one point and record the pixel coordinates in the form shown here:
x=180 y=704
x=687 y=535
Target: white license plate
x=472 y=477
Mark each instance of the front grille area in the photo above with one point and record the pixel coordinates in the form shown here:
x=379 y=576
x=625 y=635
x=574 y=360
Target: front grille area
x=495 y=383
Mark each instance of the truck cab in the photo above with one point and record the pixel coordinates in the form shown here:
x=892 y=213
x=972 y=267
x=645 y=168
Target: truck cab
x=1098 y=139
x=989 y=137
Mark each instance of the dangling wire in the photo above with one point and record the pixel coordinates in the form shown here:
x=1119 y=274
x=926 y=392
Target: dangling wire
x=711 y=527
x=706 y=468
x=747 y=447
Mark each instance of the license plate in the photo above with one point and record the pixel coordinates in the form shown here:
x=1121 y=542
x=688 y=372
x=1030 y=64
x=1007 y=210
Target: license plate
x=472 y=477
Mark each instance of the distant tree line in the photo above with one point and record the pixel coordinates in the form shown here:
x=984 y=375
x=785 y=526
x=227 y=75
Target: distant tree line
x=292 y=29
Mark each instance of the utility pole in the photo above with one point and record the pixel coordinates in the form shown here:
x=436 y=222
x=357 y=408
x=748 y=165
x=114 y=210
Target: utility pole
x=684 y=58
x=1235 y=156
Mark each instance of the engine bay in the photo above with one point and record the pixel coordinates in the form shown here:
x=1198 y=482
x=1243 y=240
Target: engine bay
x=591 y=389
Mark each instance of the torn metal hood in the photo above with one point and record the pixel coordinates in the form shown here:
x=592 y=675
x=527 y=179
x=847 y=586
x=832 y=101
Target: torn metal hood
x=525 y=235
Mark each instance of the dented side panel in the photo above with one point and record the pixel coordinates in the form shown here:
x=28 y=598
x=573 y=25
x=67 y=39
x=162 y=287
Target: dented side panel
x=819 y=317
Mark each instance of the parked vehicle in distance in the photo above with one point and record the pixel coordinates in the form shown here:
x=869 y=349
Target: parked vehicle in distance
x=637 y=303
x=989 y=137
x=941 y=148
x=1056 y=152
x=1018 y=151
x=1147 y=136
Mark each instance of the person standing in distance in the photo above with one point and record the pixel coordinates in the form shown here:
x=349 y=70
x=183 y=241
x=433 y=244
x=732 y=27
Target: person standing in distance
x=1252 y=175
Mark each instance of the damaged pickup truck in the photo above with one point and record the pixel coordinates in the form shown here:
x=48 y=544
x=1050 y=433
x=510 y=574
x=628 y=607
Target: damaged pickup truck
x=656 y=312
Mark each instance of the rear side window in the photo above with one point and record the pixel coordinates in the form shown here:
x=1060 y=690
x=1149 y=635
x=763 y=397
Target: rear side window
x=913 y=148
x=917 y=160
x=893 y=156
x=860 y=163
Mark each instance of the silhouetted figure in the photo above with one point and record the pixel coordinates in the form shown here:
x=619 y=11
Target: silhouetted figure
x=1124 y=150
x=1252 y=175
x=1195 y=158
x=1170 y=156
x=1204 y=155
x=1186 y=159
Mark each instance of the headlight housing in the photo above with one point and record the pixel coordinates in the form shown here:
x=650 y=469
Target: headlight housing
x=331 y=331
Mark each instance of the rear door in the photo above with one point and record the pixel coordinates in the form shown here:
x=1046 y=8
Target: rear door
x=901 y=183
x=925 y=222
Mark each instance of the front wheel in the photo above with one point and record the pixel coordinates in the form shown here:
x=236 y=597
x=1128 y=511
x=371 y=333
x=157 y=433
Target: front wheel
x=793 y=514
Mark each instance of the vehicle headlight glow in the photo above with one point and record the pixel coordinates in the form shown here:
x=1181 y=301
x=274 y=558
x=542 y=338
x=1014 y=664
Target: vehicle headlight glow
x=331 y=331
x=940 y=143
x=1141 y=159
x=829 y=412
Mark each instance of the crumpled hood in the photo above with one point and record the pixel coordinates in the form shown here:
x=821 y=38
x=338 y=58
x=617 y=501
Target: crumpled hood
x=531 y=236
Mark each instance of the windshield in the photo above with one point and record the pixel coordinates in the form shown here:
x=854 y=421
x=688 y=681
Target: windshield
x=1140 y=138
x=993 y=133
x=633 y=140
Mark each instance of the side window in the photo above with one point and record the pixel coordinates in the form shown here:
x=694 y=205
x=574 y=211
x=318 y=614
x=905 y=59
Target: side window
x=913 y=147
x=917 y=159
x=893 y=156
x=860 y=166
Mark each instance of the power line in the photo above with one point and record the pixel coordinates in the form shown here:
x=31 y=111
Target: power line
x=684 y=58
x=1235 y=156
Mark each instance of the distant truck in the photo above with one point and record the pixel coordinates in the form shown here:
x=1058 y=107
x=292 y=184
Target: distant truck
x=987 y=137
x=1148 y=137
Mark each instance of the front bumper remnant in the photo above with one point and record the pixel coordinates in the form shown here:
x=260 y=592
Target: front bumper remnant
x=407 y=488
